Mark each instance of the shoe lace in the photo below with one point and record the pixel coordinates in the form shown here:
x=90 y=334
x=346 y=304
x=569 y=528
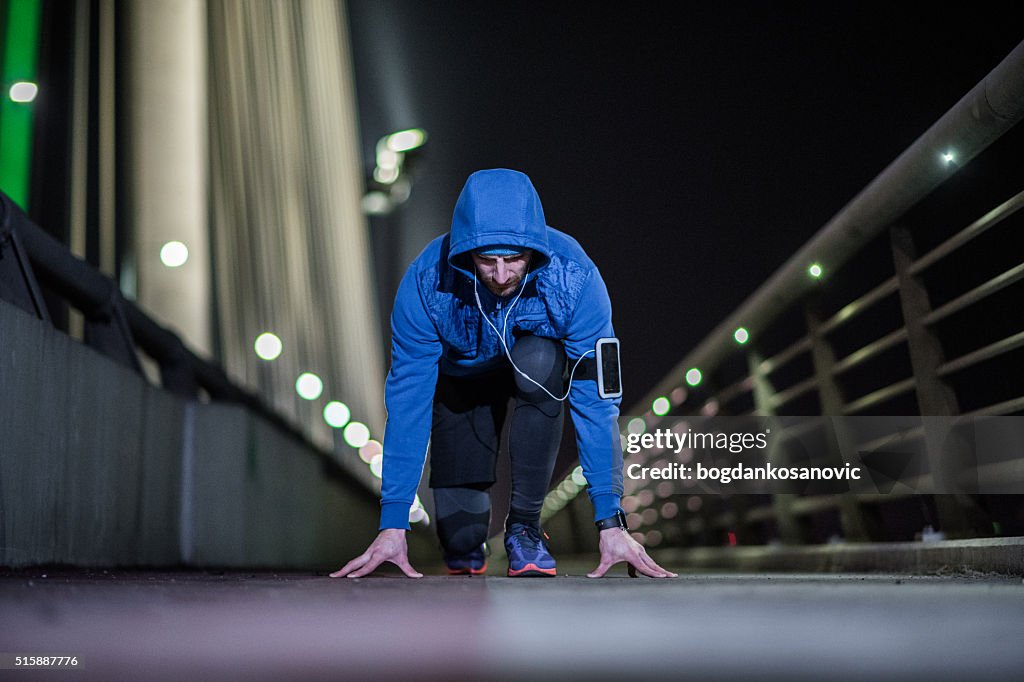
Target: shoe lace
x=529 y=537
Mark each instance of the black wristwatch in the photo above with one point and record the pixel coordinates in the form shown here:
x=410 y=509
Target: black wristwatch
x=617 y=521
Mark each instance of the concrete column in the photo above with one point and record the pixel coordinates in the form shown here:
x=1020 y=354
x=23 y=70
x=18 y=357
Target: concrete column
x=166 y=159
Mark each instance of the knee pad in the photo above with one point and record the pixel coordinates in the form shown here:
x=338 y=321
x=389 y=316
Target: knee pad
x=544 y=361
x=463 y=516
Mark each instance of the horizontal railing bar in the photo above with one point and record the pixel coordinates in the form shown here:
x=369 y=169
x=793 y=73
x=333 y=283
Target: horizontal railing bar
x=802 y=427
x=976 y=294
x=793 y=392
x=1005 y=407
x=1000 y=473
x=805 y=506
x=744 y=385
x=724 y=520
x=760 y=513
x=771 y=364
x=869 y=351
x=989 y=475
x=978 y=227
x=879 y=396
x=911 y=434
x=810 y=505
x=990 y=351
x=856 y=307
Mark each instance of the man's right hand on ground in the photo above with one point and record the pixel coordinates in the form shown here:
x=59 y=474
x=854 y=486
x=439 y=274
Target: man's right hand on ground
x=389 y=545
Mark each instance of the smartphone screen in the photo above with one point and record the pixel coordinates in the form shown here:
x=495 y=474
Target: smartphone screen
x=609 y=381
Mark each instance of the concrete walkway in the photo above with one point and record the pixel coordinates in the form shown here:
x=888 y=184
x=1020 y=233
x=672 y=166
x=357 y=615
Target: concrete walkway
x=198 y=625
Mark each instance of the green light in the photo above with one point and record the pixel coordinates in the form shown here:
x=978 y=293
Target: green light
x=661 y=406
x=406 y=140
x=337 y=414
x=741 y=335
x=693 y=377
x=309 y=386
x=815 y=270
x=20 y=39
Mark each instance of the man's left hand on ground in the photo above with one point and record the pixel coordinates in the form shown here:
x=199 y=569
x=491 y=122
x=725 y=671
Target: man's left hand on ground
x=617 y=545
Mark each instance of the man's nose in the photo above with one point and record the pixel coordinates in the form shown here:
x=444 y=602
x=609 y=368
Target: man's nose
x=501 y=272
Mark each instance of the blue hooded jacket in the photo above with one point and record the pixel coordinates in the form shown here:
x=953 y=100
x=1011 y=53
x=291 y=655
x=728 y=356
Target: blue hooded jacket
x=437 y=326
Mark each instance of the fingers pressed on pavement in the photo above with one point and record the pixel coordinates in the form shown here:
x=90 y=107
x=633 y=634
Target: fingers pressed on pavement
x=355 y=563
x=407 y=568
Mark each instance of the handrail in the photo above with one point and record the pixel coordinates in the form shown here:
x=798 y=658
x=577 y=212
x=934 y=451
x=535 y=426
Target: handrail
x=988 y=110
x=116 y=326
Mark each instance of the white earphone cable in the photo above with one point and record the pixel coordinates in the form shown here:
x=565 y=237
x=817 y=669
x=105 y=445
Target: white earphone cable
x=504 y=345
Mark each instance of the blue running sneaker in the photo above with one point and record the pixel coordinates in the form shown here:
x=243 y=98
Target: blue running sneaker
x=527 y=553
x=473 y=563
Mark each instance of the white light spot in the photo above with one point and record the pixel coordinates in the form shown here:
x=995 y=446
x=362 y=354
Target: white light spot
x=376 y=203
x=268 y=346
x=24 y=92
x=371 y=450
x=309 y=386
x=405 y=140
x=385 y=175
x=356 y=434
x=174 y=254
x=636 y=426
x=337 y=414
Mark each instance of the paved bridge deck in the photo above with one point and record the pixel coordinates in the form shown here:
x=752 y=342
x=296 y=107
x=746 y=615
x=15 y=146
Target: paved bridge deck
x=175 y=625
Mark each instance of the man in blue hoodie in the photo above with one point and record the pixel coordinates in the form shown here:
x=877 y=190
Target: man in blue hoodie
x=502 y=307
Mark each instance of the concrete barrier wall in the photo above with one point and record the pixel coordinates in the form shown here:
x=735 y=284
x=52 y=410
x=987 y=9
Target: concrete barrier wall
x=99 y=468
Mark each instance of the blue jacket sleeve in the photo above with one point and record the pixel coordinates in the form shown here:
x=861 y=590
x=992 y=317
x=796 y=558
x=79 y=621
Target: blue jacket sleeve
x=595 y=418
x=408 y=397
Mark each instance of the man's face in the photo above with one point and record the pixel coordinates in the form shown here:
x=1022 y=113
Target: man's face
x=502 y=274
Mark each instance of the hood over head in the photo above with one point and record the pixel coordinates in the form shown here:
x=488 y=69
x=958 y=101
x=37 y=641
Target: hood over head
x=498 y=208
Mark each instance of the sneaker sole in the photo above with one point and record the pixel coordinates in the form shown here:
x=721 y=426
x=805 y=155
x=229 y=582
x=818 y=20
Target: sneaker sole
x=468 y=571
x=531 y=571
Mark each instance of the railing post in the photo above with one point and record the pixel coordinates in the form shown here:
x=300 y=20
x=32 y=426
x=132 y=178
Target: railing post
x=791 y=530
x=107 y=331
x=959 y=514
x=17 y=281
x=857 y=524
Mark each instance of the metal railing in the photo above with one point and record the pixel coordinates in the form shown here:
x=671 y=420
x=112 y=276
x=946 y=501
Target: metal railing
x=31 y=261
x=881 y=332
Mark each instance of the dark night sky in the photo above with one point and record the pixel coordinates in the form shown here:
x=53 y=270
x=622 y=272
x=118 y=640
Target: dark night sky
x=690 y=152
